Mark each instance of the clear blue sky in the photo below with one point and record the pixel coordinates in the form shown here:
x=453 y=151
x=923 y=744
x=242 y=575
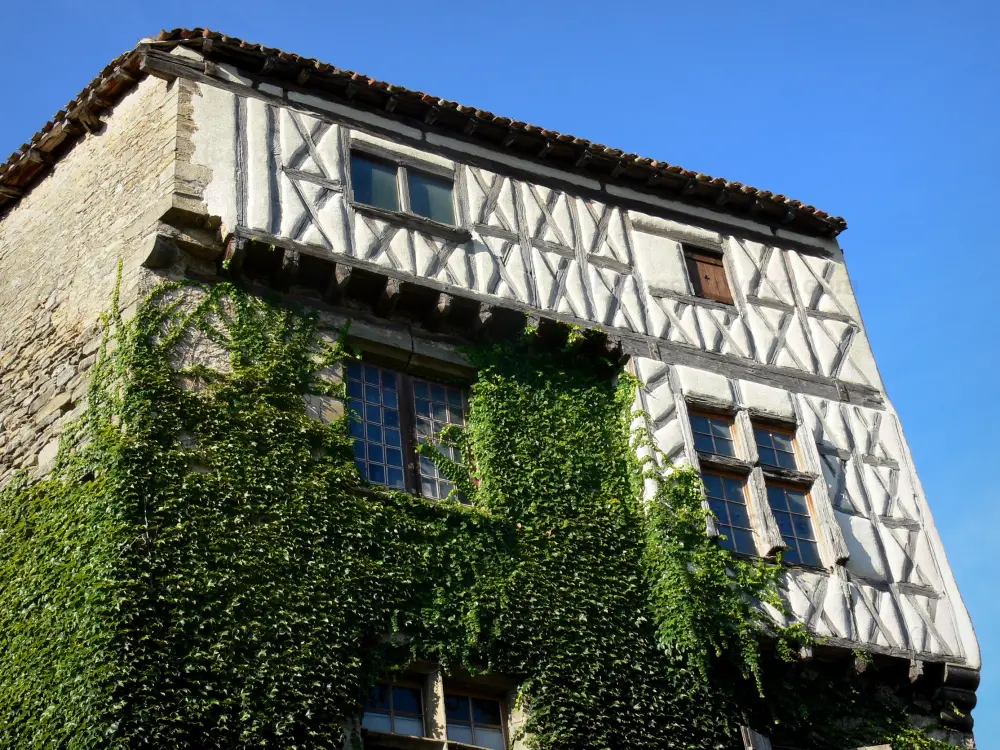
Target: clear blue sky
x=883 y=112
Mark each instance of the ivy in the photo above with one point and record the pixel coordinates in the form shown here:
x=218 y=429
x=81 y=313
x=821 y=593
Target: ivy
x=206 y=569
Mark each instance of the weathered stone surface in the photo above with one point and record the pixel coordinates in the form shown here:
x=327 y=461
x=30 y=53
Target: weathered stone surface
x=59 y=251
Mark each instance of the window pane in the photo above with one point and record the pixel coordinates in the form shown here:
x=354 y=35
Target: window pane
x=802 y=527
x=784 y=523
x=374 y=182
x=408 y=726
x=733 y=488
x=767 y=457
x=368 y=416
x=738 y=515
x=376 y=722
x=809 y=553
x=378 y=698
x=762 y=437
x=720 y=428
x=726 y=537
x=786 y=460
x=485 y=711
x=792 y=553
x=743 y=540
x=725 y=447
x=489 y=737
x=700 y=424
x=720 y=509
x=406 y=700
x=430 y=196
x=782 y=442
x=433 y=413
x=456 y=708
x=460 y=733
x=797 y=502
x=776 y=498
x=703 y=443
x=713 y=485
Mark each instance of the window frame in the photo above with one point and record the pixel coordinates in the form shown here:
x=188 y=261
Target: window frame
x=812 y=518
x=748 y=501
x=412 y=483
x=714 y=257
x=788 y=431
x=405 y=214
x=471 y=694
x=410 y=685
x=729 y=419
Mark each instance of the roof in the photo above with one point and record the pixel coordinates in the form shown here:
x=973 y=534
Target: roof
x=33 y=160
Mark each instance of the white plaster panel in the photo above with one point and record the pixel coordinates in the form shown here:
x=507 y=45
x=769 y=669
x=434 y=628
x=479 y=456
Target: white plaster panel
x=674 y=230
x=767 y=399
x=214 y=141
x=860 y=538
x=354 y=114
x=402 y=149
x=696 y=382
x=268 y=88
x=258 y=214
x=661 y=262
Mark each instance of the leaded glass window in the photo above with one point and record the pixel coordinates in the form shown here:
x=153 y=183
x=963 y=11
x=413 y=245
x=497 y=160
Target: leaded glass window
x=390 y=415
x=713 y=434
x=373 y=397
x=791 y=510
x=727 y=499
x=474 y=721
x=434 y=406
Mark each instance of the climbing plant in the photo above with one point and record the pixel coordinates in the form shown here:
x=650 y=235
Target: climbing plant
x=206 y=569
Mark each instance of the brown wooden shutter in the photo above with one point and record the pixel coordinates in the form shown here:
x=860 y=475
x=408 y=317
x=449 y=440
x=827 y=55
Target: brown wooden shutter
x=708 y=276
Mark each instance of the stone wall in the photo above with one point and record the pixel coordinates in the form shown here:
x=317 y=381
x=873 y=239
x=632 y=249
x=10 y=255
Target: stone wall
x=59 y=249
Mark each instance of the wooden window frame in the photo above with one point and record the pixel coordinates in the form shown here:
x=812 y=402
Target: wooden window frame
x=404 y=164
x=407 y=420
x=783 y=429
x=466 y=693
x=744 y=480
x=806 y=490
x=729 y=419
x=693 y=255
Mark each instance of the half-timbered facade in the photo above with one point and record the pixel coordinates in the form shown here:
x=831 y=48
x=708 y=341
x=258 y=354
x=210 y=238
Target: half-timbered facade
x=733 y=306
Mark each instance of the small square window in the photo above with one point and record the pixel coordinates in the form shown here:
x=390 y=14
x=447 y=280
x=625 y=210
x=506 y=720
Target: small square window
x=790 y=506
x=775 y=447
x=431 y=196
x=397 y=709
x=474 y=721
x=374 y=182
x=713 y=434
x=727 y=499
x=708 y=275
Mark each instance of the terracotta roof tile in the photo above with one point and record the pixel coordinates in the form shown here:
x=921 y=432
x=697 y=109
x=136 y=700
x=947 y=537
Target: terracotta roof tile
x=81 y=115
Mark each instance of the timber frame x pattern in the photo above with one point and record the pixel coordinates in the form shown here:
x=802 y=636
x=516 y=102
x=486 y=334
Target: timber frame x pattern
x=541 y=249
x=563 y=232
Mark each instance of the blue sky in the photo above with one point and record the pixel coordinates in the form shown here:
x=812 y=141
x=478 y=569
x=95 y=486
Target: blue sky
x=885 y=113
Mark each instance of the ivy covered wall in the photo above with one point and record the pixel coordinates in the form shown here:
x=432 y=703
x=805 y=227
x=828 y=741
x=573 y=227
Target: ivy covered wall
x=206 y=569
